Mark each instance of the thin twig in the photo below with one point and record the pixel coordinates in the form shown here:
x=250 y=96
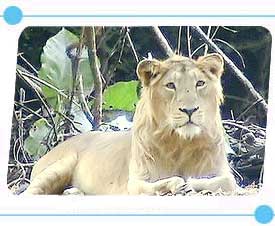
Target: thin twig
x=20 y=71
x=215 y=32
x=228 y=122
x=14 y=153
x=70 y=120
x=16 y=156
x=248 y=108
x=229 y=29
x=162 y=41
x=108 y=67
x=49 y=113
x=204 y=44
x=188 y=38
x=25 y=75
x=28 y=63
x=83 y=103
x=29 y=164
x=197 y=49
x=179 y=40
x=236 y=71
x=231 y=47
x=29 y=110
x=122 y=46
x=237 y=98
x=20 y=121
x=232 y=115
x=208 y=35
x=107 y=33
x=45 y=105
x=75 y=59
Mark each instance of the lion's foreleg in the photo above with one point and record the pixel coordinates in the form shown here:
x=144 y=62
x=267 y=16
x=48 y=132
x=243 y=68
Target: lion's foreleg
x=172 y=184
x=54 y=178
x=225 y=182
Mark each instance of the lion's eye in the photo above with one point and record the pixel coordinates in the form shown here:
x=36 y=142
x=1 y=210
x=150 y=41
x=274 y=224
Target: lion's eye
x=171 y=85
x=200 y=83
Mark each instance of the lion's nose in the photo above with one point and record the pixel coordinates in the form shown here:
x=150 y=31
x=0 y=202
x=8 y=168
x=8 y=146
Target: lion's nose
x=189 y=112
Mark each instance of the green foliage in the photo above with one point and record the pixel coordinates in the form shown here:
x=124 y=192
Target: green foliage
x=56 y=69
x=36 y=142
x=121 y=96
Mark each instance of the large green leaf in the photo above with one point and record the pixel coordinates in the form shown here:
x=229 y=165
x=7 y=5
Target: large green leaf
x=36 y=143
x=121 y=96
x=56 y=68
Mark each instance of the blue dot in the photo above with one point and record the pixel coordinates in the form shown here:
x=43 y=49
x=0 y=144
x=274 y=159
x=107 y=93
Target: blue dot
x=13 y=15
x=264 y=214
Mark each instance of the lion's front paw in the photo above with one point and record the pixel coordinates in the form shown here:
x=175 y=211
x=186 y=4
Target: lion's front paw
x=225 y=183
x=176 y=184
x=171 y=185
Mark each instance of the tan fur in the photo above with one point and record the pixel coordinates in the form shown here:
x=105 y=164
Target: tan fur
x=161 y=153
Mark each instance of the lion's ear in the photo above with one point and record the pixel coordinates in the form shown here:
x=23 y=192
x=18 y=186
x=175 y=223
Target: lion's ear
x=148 y=70
x=212 y=63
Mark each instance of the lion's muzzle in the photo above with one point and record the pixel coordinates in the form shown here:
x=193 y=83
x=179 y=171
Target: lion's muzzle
x=189 y=112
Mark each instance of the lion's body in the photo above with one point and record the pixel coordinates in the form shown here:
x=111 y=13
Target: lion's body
x=164 y=149
x=93 y=153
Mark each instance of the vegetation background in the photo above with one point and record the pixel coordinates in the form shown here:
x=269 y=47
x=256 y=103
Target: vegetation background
x=74 y=79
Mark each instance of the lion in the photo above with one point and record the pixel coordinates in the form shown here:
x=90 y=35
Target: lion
x=177 y=140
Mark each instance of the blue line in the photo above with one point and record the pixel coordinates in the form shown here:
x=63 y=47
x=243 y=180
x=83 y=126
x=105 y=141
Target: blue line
x=149 y=16
x=125 y=215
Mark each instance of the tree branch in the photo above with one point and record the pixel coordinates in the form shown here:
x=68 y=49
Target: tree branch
x=93 y=59
x=188 y=39
x=236 y=71
x=179 y=40
x=132 y=45
x=162 y=41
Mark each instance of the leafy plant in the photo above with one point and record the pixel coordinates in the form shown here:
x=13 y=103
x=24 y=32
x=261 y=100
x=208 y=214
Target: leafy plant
x=56 y=69
x=36 y=143
x=121 y=96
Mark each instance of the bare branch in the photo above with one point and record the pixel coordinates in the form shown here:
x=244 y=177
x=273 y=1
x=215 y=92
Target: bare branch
x=93 y=59
x=231 y=47
x=113 y=59
x=188 y=38
x=162 y=41
x=122 y=46
x=75 y=68
x=236 y=71
x=208 y=35
x=132 y=45
x=229 y=29
x=28 y=63
x=247 y=109
x=30 y=111
x=77 y=81
x=179 y=40
x=215 y=32
x=197 y=49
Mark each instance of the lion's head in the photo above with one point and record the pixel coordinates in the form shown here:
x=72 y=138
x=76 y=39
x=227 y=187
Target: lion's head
x=182 y=95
